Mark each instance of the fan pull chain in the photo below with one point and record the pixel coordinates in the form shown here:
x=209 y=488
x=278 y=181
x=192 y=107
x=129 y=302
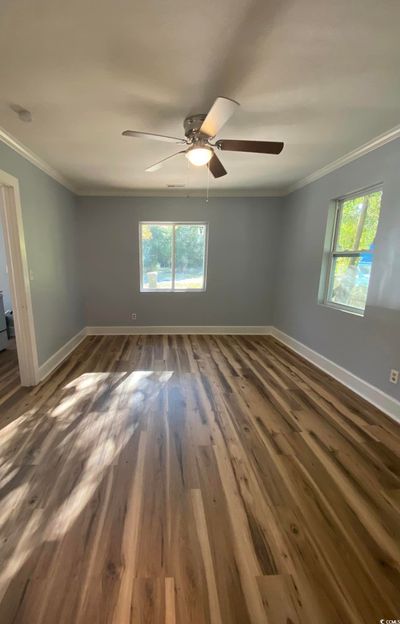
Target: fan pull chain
x=208 y=183
x=187 y=177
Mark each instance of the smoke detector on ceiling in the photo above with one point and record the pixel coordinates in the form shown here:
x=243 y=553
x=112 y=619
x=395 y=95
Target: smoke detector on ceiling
x=23 y=113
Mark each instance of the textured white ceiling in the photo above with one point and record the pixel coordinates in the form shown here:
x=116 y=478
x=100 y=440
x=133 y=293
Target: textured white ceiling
x=321 y=75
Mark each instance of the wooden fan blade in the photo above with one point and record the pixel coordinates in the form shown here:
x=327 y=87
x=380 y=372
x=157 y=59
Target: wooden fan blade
x=219 y=113
x=216 y=167
x=153 y=137
x=259 y=147
x=160 y=163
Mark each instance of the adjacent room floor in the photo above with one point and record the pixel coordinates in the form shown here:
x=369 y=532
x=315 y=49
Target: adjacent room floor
x=9 y=376
x=195 y=479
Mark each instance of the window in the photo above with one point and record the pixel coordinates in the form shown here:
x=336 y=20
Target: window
x=173 y=256
x=352 y=250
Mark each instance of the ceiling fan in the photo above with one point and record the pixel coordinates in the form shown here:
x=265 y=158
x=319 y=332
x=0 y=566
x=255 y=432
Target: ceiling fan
x=199 y=130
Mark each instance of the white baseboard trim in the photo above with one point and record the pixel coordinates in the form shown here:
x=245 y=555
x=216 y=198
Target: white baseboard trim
x=128 y=330
x=60 y=355
x=367 y=391
x=373 y=395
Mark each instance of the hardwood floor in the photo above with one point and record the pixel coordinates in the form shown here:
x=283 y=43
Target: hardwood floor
x=195 y=479
x=9 y=373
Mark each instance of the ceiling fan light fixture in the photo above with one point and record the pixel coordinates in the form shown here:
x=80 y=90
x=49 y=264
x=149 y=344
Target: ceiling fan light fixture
x=199 y=129
x=199 y=155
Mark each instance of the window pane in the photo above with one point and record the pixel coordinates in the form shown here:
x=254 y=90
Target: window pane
x=349 y=280
x=156 y=256
x=189 y=256
x=358 y=222
x=371 y=221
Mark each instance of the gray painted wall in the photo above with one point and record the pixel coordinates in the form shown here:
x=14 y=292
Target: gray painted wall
x=4 y=282
x=264 y=264
x=243 y=243
x=50 y=224
x=370 y=346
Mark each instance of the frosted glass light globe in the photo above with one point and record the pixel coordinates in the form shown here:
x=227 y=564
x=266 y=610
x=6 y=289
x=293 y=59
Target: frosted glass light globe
x=199 y=155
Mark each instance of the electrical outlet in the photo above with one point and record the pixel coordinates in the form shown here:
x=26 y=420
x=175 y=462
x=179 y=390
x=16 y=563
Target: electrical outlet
x=133 y=316
x=394 y=376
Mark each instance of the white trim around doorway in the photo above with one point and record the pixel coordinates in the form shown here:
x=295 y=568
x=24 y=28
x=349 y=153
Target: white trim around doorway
x=11 y=219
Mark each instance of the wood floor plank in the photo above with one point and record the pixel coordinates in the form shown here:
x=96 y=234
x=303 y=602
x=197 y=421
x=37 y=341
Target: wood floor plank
x=279 y=599
x=195 y=480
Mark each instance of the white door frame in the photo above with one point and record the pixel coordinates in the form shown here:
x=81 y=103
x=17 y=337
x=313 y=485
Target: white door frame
x=11 y=219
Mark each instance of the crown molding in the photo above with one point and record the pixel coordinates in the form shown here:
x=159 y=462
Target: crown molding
x=22 y=150
x=181 y=193
x=372 y=145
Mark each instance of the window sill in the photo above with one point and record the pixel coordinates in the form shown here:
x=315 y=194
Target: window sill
x=339 y=308
x=175 y=292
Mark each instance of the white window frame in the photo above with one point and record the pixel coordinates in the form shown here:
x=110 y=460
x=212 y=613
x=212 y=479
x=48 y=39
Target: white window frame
x=333 y=253
x=173 y=289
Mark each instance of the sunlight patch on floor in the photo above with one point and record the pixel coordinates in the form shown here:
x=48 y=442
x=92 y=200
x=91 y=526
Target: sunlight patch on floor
x=95 y=419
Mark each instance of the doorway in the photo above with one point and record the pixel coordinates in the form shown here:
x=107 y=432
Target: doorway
x=9 y=375
x=15 y=283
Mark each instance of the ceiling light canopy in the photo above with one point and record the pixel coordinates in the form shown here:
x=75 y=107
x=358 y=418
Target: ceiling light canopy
x=199 y=155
